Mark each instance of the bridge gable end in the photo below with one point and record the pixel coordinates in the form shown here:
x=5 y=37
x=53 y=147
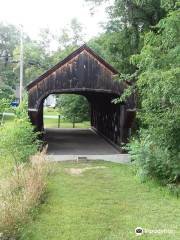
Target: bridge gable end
x=82 y=70
x=84 y=50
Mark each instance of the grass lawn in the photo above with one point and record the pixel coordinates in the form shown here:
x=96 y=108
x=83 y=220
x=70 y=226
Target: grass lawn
x=53 y=123
x=51 y=111
x=106 y=201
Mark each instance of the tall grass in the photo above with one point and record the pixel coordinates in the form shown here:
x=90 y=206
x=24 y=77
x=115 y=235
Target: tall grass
x=20 y=194
x=23 y=173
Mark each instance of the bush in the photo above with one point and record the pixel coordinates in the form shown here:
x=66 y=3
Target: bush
x=154 y=159
x=20 y=194
x=18 y=141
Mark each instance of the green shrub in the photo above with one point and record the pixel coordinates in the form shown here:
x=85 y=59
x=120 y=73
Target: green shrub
x=18 y=141
x=154 y=159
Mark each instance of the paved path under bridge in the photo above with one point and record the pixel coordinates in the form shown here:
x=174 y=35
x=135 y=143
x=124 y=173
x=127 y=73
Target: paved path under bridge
x=74 y=144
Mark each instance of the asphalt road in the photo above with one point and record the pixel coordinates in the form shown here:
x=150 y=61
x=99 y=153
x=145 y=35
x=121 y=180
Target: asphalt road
x=77 y=142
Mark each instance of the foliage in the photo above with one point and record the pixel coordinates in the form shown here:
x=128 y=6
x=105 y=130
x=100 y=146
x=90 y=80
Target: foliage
x=142 y=38
x=77 y=32
x=116 y=48
x=18 y=141
x=159 y=91
x=35 y=60
x=128 y=21
x=9 y=39
x=38 y=55
x=22 y=180
x=21 y=112
x=74 y=107
x=5 y=91
x=154 y=160
x=4 y=105
x=125 y=30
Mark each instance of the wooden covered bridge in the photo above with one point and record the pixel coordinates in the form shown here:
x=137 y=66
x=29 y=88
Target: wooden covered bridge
x=85 y=73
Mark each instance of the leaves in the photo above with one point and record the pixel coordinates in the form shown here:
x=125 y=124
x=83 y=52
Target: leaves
x=159 y=88
x=74 y=107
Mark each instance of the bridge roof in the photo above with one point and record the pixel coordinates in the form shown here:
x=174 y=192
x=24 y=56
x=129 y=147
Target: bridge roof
x=69 y=58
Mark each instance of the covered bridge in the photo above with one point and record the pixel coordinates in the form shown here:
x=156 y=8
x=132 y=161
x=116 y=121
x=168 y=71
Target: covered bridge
x=85 y=73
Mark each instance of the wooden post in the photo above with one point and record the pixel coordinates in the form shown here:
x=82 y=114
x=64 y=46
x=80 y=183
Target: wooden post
x=73 y=121
x=59 y=120
x=122 y=120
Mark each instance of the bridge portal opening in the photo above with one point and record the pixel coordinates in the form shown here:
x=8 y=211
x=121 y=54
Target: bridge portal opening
x=66 y=111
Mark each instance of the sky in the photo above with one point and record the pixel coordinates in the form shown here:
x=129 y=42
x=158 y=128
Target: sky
x=54 y=14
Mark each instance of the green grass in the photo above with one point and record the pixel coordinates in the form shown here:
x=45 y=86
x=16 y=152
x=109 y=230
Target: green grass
x=51 y=111
x=8 y=119
x=5 y=165
x=53 y=123
x=106 y=203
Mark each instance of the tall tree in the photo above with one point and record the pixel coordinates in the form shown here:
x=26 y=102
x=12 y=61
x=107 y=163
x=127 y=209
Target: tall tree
x=128 y=21
x=9 y=39
x=159 y=90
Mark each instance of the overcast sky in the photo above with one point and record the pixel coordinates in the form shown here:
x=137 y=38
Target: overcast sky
x=54 y=14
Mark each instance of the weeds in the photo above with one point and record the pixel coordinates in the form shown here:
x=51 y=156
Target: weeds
x=20 y=194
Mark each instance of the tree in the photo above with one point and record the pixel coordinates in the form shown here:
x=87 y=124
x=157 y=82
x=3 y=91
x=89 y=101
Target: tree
x=5 y=90
x=159 y=90
x=45 y=40
x=75 y=108
x=116 y=48
x=77 y=32
x=128 y=21
x=38 y=56
x=68 y=40
x=145 y=46
x=36 y=60
x=9 y=39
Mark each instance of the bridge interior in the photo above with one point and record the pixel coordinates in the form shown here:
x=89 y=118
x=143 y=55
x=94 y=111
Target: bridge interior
x=105 y=116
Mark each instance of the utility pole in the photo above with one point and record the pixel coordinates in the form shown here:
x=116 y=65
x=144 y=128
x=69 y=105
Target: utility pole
x=21 y=65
